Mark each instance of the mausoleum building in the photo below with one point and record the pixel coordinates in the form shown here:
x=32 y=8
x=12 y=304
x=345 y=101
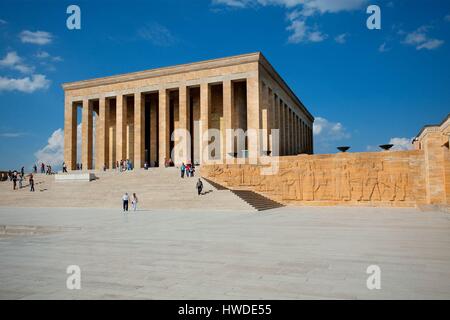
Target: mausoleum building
x=142 y=116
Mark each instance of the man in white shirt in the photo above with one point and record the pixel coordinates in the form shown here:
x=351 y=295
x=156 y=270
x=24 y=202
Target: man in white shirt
x=125 y=201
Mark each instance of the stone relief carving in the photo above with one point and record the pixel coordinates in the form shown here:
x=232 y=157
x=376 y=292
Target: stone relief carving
x=329 y=179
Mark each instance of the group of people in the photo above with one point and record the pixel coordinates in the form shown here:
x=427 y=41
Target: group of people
x=187 y=170
x=18 y=178
x=124 y=165
x=126 y=199
x=47 y=169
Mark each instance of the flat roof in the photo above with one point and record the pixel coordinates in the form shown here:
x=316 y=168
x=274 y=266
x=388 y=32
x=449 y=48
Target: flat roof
x=432 y=125
x=188 y=67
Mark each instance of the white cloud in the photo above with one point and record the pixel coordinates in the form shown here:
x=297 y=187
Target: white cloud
x=327 y=134
x=383 y=47
x=421 y=40
x=45 y=55
x=42 y=55
x=12 y=134
x=27 y=84
x=302 y=33
x=298 y=13
x=158 y=35
x=2 y=22
x=316 y=36
x=57 y=58
x=298 y=29
x=232 y=3
x=330 y=130
x=36 y=37
x=321 y=6
x=447 y=18
x=53 y=153
x=430 y=44
x=324 y=6
x=341 y=39
x=13 y=61
x=401 y=143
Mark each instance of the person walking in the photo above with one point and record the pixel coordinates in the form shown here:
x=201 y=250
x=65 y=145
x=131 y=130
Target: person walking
x=34 y=168
x=14 y=180
x=125 y=201
x=134 y=202
x=188 y=170
x=22 y=171
x=20 y=181
x=31 y=180
x=64 y=167
x=42 y=167
x=192 y=170
x=182 y=168
x=199 y=186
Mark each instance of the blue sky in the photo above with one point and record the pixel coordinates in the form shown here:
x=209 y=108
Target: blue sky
x=365 y=87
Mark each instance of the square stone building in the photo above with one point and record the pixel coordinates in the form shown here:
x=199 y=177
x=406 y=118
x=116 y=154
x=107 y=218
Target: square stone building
x=135 y=116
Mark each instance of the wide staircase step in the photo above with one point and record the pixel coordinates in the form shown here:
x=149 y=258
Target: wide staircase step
x=256 y=200
x=156 y=188
x=215 y=184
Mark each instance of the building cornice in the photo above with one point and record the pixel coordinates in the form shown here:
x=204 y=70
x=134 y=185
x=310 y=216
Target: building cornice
x=276 y=76
x=190 y=67
x=164 y=71
x=433 y=127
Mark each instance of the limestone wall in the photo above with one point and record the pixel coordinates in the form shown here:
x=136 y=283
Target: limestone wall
x=387 y=178
x=393 y=178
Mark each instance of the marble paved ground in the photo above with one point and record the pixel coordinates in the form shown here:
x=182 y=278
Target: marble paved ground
x=287 y=253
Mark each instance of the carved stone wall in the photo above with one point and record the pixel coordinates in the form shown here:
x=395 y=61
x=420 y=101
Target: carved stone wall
x=394 y=178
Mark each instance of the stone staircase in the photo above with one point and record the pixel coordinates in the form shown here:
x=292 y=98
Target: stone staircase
x=156 y=188
x=256 y=200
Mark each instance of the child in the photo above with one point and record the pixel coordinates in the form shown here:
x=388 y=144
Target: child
x=134 y=202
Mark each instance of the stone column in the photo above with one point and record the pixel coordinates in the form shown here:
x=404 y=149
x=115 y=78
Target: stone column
x=292 y=136
x=121 y=128
x=205 y=105
x=288 y=129
x=228 y=115
x=70 y=134
x=86 y=134
x=282 y=128
x=154 y=129
x=183 y=145
x=299 y=135
x=164 y=126
x=276 y=125
x=271 y=116
x=112 y=133
x=295 y=134
x=264 y=118
x=102 y=155
x=139 y=130
x=253 y=119
x=302 y=136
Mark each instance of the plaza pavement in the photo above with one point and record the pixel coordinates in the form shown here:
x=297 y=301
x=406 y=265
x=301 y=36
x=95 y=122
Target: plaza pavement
x=286 y=253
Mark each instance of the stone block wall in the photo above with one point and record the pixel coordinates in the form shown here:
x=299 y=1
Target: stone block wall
x=386 y=178
x=370 y=178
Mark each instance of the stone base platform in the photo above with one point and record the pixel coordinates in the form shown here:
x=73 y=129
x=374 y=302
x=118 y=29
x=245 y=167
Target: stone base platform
x=85 y=177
